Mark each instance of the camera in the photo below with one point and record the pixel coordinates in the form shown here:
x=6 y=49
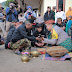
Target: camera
x=29 y=10
x=12 y=6
x=39 y=36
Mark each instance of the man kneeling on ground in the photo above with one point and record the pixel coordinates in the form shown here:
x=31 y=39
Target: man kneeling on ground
x=20 y=38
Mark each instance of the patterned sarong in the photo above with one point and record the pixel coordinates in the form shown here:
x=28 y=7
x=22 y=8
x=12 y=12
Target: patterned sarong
x=21 y=43
x=67 y=44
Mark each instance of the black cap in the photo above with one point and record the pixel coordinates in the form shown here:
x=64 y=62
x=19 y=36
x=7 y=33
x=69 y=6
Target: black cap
x=38 y=25
x=30 y=19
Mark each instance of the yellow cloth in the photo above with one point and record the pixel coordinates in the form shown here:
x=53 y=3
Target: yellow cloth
x=69 y=13
x=54 y=34
x=70 y=54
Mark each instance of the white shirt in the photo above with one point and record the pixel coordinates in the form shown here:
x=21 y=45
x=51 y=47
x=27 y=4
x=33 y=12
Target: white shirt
x=21 y=19
x=60 y=15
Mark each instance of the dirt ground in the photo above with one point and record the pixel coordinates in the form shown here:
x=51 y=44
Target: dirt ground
x=10 y=62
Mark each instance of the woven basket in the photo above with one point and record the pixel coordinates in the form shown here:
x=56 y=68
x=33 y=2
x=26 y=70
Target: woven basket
x=57 y=51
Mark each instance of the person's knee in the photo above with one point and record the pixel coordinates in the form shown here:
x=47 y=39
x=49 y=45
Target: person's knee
x=27 y=42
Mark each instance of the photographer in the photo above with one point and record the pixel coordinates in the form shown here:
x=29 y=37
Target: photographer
x=2 y=17
x=29 y=12
x=11 y=15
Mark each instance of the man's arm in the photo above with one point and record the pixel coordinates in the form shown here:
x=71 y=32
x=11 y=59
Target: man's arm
x=33 y=14
x=45 y=17
x=50 y=41
x=52 y=15
x=25 y=14
x=2 y=17
x=64 y=16
x=63 y=27
x=7 y=11
x=14 y=12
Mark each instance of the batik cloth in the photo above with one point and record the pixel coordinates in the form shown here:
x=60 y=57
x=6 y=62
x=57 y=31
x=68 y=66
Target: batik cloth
x=67 y=44
x=23 y=43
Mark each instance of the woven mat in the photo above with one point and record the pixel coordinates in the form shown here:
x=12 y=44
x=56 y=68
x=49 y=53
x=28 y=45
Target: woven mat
x=63 y=58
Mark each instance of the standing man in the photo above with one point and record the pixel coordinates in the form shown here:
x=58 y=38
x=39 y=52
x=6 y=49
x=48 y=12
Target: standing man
x=60 y=14
x=11 y=15
x=1 y=20
x=49 y=15
x=21 y=37
x=53 y=10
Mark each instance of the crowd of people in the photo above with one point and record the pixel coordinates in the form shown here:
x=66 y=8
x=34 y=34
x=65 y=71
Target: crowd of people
x=25 y=30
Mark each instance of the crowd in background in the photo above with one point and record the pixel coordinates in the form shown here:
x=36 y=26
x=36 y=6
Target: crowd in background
x=19 y=27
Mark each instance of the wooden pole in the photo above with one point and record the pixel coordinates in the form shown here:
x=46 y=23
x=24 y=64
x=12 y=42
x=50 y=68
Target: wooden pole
x=57 y=5
x=19 y=2
x=64 y=5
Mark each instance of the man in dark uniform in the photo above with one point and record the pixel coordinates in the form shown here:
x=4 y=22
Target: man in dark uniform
x=21 y=36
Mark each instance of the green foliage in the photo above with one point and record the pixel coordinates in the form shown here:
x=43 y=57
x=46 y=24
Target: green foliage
x=8 y=1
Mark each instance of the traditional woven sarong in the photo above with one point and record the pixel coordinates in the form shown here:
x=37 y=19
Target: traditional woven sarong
x=67 y=44
x=21 y=43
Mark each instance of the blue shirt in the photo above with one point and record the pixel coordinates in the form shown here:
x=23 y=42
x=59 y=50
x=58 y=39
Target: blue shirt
x=1 y=19
x=13 y=14
x=69 y=23
x=27 y=16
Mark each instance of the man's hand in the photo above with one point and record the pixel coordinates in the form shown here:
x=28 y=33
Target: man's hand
x=10 y=7
x=2 y=17
x=39 y=39
x=40 y=44
x=13 y=10
x=63 y=28
x=42 y=38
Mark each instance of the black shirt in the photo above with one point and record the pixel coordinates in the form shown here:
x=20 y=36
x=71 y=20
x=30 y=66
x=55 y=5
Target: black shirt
x=10 y=16
x=49 y=16
x=20 y=33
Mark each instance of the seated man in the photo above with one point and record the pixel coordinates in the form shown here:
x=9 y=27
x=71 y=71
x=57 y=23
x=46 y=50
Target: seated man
x=39 y=32
x=58 y=36
x=39 y=19
x=61 y=24
x=20 y=38
x=1 y=40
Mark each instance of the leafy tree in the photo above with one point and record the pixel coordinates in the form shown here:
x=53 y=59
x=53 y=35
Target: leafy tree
x=8 y=1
